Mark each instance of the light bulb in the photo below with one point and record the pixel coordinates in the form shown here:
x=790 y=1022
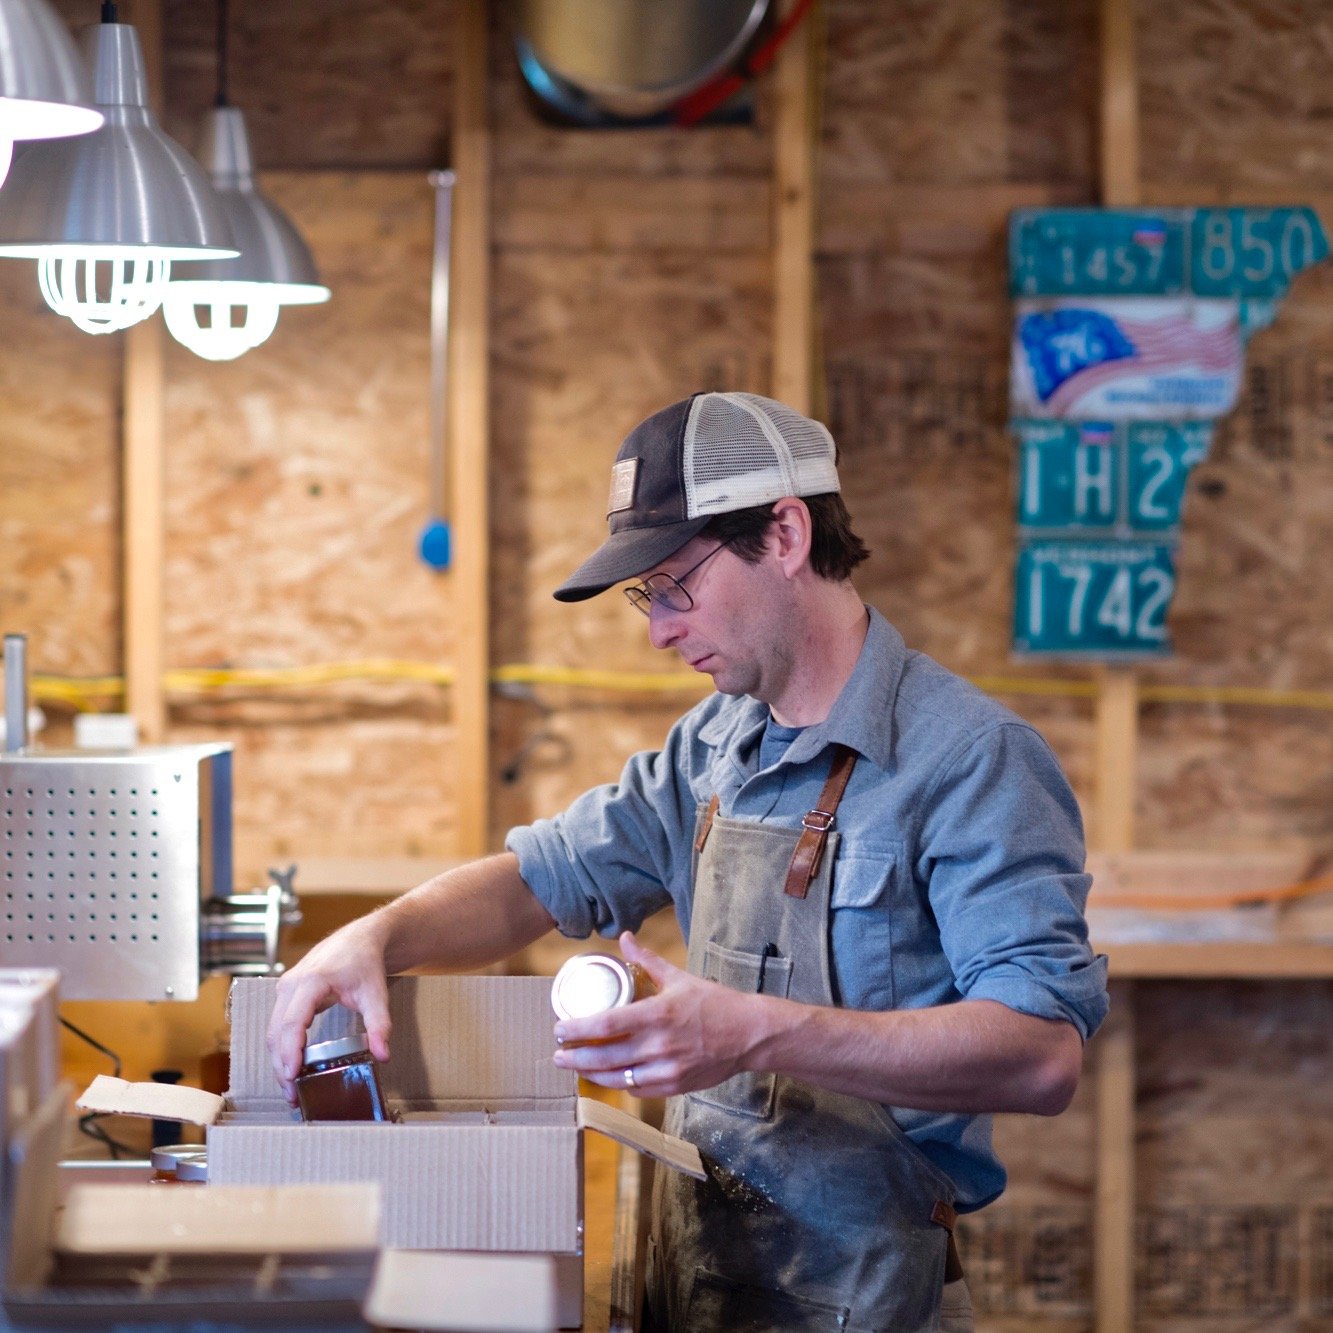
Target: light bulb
x=241 y=314
x=103 y=289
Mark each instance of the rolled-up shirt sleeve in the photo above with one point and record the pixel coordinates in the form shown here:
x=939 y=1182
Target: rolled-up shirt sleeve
x=619 y=853
x=1001 y=856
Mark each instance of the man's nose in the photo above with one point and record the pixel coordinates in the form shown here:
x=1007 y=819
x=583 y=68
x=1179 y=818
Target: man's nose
x=665 y=626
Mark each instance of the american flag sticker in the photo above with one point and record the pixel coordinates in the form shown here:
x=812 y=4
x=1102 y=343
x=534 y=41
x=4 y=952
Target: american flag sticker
x=624 y=475
x=1126 y=358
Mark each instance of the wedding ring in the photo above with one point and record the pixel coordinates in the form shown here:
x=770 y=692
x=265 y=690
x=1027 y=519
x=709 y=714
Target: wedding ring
x=629 y=1079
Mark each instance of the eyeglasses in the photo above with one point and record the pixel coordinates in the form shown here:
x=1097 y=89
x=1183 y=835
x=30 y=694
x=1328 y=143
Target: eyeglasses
x=665 y=590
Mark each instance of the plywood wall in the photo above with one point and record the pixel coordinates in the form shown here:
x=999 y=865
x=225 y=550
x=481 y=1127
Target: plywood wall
x=629 y=268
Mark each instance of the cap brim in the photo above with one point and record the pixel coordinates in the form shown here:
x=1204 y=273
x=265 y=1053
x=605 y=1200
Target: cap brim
x=626 y=554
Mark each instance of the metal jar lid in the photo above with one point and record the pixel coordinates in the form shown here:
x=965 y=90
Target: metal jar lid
x=591 y=983
x=192 y=1168
x=357 y=1044
x=166 y=1156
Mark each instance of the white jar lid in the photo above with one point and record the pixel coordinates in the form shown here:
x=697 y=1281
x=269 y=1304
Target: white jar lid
x=591 y=983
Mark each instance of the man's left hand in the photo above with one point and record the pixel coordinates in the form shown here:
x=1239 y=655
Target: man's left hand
x=692 y=1034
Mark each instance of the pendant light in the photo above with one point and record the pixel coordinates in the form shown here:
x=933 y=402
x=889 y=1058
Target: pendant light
x=44 y=88
x=107 y=214
x=239 y=299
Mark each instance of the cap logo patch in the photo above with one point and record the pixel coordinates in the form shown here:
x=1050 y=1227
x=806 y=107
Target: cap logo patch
x=624 y=475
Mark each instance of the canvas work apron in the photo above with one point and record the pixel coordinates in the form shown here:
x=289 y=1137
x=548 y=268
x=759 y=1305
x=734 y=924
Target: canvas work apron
x=818 y=1212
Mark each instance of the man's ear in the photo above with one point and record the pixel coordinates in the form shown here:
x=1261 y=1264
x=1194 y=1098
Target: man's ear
x=791 y=534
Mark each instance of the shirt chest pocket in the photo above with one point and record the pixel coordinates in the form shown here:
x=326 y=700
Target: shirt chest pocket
x=862 y=901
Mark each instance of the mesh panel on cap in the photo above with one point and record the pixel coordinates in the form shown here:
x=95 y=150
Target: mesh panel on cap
x=743 y=450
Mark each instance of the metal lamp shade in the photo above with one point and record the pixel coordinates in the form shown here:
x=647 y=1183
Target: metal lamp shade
x=272 y=251
x=45 y=91
x=125 y=185
x=241 y=296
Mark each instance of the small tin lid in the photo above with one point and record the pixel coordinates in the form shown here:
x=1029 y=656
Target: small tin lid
x=591 y=983
x=356 y=1044
x=166 y=1156
x=192 y=1168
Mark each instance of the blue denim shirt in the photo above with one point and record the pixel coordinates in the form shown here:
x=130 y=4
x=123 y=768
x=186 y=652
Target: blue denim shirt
x=959 y=873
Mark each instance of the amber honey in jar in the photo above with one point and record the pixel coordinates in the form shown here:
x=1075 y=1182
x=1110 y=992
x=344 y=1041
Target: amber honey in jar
x=592 y=983
x=339 y=1081
x=169 y=1162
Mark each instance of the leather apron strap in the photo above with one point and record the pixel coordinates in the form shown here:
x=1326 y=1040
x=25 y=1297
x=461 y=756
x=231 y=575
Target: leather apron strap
x=815 y=825
x=706 y=824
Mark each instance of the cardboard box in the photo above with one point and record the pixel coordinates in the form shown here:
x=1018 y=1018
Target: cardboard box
x=146 y=1256
x=488 y=1155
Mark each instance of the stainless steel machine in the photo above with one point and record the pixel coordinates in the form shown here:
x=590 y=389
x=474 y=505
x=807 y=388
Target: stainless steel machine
x=116 y=865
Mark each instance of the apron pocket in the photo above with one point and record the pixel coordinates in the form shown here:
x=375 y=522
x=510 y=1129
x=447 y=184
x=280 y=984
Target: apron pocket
x=748 y=1094
x=718 y=1304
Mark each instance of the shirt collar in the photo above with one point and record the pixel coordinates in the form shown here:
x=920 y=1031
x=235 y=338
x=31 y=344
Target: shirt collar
x=862 y=714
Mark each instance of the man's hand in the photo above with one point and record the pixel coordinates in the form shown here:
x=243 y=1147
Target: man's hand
x=346 y=968
x=692 y=1034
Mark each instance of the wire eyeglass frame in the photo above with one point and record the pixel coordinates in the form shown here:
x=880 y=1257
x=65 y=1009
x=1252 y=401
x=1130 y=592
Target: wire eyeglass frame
x=665 y=590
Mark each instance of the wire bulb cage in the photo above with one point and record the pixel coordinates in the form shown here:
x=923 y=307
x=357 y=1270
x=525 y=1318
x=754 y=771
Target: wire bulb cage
x=239 y=316
x=100 y=290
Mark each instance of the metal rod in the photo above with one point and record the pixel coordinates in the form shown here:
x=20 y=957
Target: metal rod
x=16 y=692
x=443 y=181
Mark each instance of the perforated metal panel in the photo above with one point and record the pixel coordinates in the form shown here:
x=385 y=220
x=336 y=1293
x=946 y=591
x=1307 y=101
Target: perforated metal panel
x=104 y=858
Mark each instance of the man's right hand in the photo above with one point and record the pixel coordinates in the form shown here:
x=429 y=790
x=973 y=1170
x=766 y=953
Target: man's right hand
x=346 y=968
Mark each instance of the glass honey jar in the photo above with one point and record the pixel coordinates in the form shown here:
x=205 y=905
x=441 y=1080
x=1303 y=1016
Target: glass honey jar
x=169 y=1163
x=592 y=983
x=339 y=1080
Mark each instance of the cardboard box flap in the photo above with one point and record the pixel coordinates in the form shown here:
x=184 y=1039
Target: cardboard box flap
x=453 y=1038
x=156 y=1101
x=634 y=1133
x=221 y=1219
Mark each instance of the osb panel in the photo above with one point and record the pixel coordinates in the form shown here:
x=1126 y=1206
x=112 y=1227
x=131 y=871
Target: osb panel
x=59 y=483
x=363 y=83
x=1235 y=93
x=1253 y=599
x=297 y=485
x=1236 y=1154
x=917 y=401
x=1234 y=777
x=924 y=92
x=586 y=345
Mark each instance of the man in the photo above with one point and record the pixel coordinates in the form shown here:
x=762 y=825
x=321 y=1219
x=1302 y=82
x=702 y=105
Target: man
x=878 y=872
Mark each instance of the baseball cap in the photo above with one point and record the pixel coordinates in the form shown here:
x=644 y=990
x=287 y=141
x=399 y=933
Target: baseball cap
x=708 y=454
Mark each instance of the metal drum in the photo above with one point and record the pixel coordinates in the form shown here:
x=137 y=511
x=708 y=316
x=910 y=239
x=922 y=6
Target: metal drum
x=635 y=58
